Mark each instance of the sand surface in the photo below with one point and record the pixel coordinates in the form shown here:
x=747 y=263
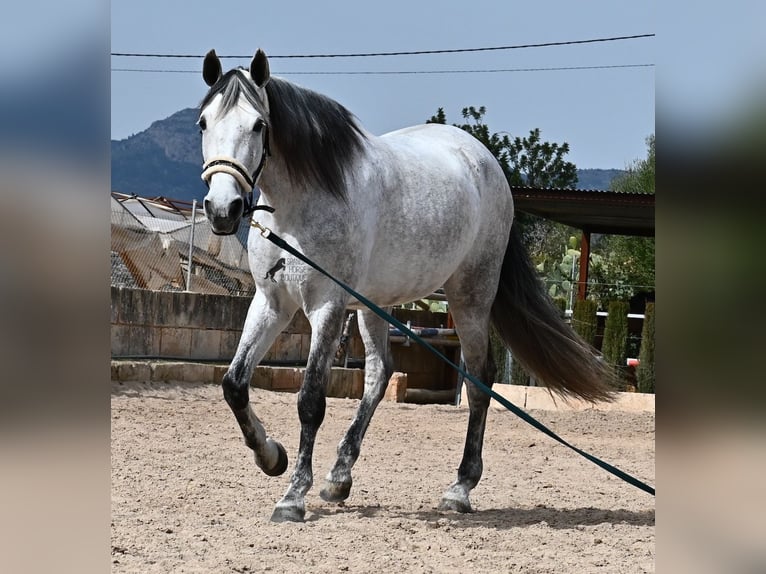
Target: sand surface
x=187 y=496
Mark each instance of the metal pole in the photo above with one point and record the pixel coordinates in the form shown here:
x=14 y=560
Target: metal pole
x=191 y=245
x=572 y=278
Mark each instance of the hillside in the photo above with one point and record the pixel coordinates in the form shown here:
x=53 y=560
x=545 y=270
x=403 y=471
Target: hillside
x=166 y=160
x=596 y=178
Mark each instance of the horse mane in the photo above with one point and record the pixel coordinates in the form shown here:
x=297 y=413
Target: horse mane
x=316 y=136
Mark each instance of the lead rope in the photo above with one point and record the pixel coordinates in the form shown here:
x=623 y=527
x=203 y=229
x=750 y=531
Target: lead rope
x=282 y=244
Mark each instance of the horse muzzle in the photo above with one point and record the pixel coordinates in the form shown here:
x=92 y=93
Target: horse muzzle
x=224 y=220
x=224 y=216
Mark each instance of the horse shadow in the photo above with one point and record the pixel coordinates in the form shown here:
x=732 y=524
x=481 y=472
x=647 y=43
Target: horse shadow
x=501 y=518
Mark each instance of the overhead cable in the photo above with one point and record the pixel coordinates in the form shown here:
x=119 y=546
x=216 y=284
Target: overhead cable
x=406 y=72
x=400 y=53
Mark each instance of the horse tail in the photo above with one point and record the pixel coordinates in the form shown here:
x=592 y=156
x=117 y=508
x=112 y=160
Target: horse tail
x=528 y=322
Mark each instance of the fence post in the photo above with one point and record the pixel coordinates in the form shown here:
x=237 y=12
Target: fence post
x=191 y=245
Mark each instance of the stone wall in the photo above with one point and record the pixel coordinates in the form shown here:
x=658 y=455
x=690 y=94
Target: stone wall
x=191 y=326
x=166 y=330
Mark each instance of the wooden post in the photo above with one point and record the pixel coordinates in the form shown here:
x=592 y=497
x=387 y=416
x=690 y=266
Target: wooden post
x=582 y=283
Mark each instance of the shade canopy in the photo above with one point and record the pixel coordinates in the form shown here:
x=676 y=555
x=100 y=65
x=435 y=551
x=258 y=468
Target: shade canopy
x=592 y=210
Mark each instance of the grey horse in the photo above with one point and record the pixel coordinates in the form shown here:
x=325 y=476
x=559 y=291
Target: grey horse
x=395 y=217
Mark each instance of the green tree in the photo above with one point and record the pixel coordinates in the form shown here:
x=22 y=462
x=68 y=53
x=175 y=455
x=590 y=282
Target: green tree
x=645 y=370
x=638 y=177
x=519 y=375
x=542 y=163
x=584 y=320
x=615 y=344
x=525 y=161
x=622 y=266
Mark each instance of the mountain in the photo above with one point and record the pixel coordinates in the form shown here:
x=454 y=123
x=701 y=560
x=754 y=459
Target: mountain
x=166 y=160
x=163 y=160
x=597 y=178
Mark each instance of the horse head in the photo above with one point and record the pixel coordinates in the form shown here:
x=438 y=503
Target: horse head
x=234 y=120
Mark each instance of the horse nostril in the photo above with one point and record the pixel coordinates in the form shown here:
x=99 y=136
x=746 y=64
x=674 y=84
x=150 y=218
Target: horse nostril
x=206 y=206
x=235 y=208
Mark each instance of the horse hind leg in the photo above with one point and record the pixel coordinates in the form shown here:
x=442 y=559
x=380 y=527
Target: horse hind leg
x=378 y=369
x=472 y=324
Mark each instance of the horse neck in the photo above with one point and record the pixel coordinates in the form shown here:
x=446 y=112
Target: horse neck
x=277 y=188
x=295 y=205
x=280 y=191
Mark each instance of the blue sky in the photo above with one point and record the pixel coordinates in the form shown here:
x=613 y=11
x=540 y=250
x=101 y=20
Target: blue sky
x=604 y=114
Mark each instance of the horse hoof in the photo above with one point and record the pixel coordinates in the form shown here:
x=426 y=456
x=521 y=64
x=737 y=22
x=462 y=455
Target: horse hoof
x=462 y=506
x=281 y=466
x=335 y=491
x=288 y=514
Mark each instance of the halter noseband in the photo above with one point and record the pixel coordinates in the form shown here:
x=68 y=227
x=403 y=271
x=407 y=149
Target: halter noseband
x=232 y=167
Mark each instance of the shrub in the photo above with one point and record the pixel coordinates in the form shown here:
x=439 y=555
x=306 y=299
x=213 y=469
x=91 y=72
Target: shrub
x=497 y=355
x=584 y=320
x=645 y=370
x=615 y=343
x=519 y=375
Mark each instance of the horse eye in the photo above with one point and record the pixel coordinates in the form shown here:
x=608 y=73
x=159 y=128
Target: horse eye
x=202 y=125
x=259 y=123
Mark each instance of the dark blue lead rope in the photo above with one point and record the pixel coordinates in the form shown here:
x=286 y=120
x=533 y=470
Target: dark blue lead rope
x=281 y=243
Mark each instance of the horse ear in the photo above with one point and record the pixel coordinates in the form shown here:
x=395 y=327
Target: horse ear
x=259 y=69
x=211 y=68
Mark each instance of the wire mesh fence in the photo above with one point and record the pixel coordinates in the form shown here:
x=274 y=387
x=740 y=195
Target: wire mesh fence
x=166 y=245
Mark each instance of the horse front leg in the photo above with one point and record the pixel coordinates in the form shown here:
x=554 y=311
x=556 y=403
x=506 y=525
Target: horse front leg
x=326 y=325
x=378 y=368
x=265 y=320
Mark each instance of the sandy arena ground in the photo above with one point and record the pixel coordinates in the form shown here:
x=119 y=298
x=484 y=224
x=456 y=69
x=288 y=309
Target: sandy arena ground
x=187 y=496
